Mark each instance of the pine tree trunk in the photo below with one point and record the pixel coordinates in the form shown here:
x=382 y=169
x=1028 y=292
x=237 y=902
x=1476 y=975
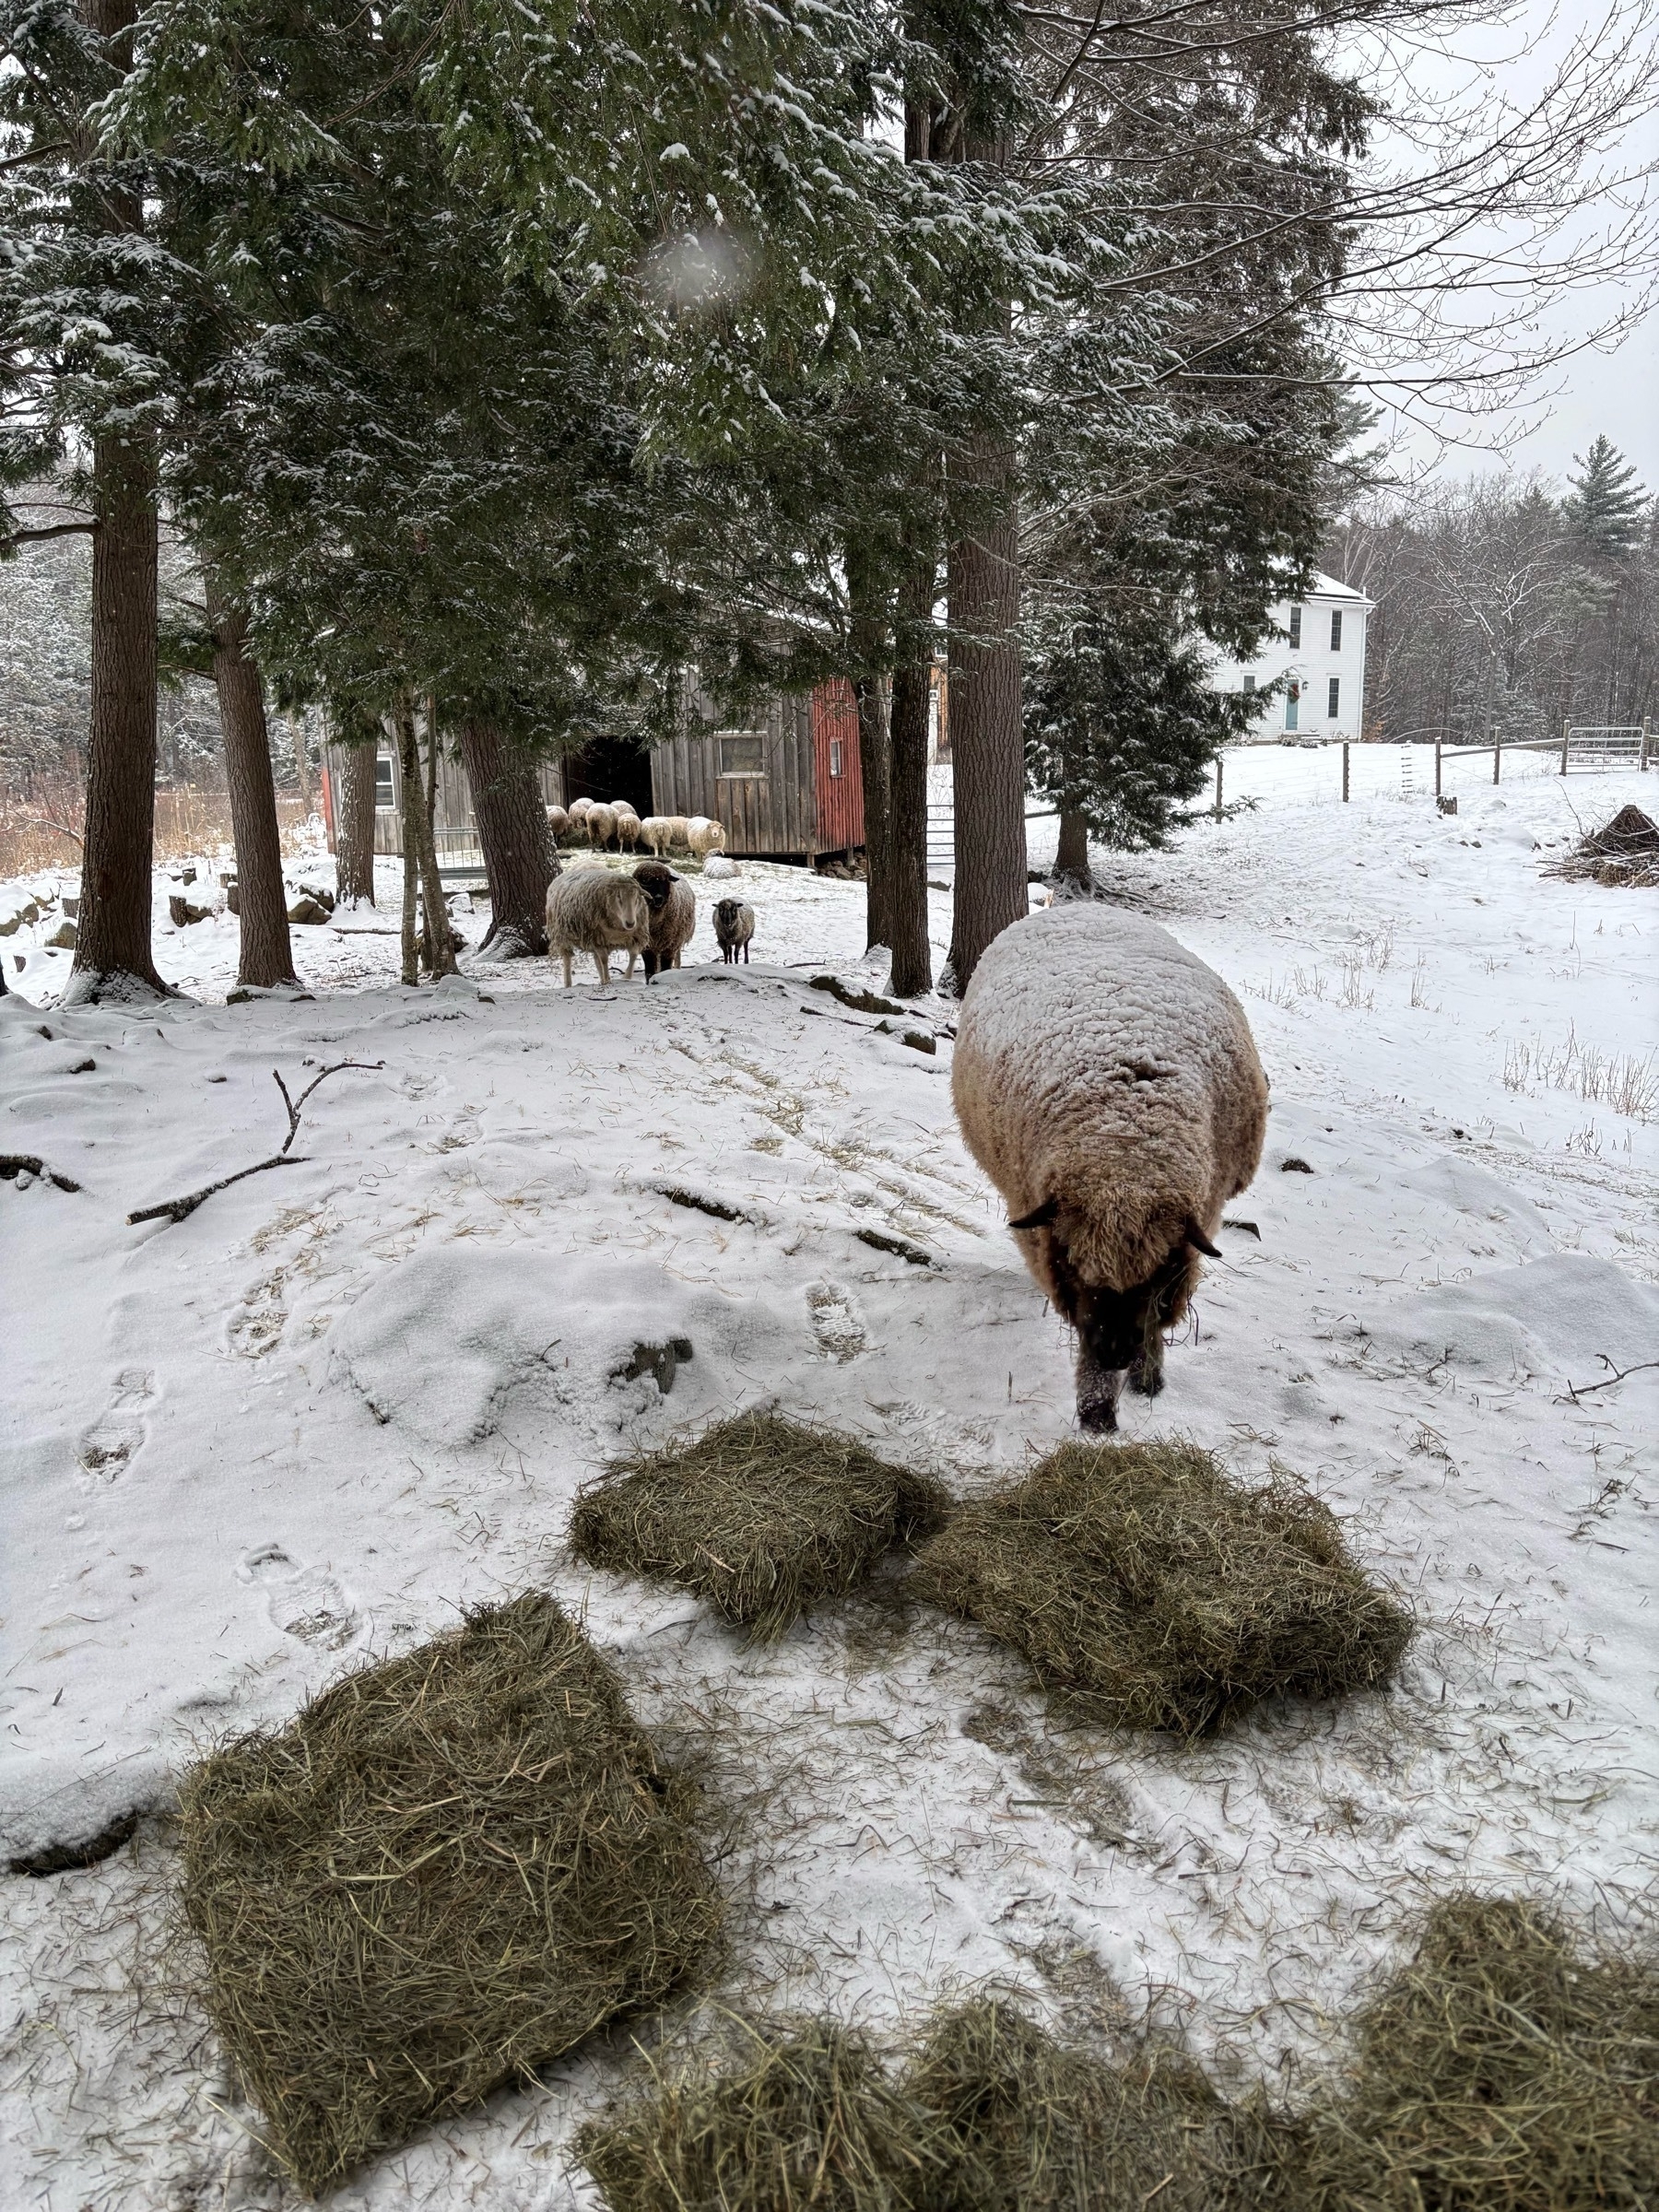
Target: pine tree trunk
x=513 y=837
x=266 y=956
x=112 y=955
x=354 y=824
x=874 y=758
x=1071 y=864
x=438 y=939
x=411 y=805
x=907 y=895
x=987 y=722
x=987 y=736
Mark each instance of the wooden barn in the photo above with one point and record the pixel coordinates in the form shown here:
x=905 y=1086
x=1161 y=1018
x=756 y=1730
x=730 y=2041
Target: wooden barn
x=785 y=784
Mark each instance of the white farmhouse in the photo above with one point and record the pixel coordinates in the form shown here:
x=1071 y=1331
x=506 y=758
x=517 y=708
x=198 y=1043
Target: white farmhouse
x=1321 y=648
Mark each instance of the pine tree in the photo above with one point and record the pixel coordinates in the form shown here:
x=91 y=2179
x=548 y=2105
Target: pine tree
x=1605 y=505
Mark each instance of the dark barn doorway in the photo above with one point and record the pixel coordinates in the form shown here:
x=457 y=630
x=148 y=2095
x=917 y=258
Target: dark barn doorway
x=607 y=768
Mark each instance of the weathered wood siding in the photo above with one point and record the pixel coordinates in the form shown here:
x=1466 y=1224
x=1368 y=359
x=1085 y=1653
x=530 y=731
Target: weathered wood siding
x=453 y=829
x=838 y=772
x=769 y=812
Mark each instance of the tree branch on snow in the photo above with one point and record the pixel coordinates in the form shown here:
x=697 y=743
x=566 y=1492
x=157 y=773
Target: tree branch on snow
x=1575 y=1391
x=175 y=1209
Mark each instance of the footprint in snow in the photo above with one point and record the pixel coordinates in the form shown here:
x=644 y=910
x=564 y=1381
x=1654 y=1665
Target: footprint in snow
x=106 y=1448
x=303 y=1602
x=836 y=1322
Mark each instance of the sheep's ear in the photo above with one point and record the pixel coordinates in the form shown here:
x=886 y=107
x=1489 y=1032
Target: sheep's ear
x=1200 y=1243
x=1040 y=1217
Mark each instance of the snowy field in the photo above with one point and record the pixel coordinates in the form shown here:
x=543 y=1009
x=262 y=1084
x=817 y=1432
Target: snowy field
x=340 y=1402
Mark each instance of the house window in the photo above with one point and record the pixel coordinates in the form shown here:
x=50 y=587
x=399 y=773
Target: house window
x=1336 y=629
x=740 y=752
x=835 y=756
x=385 y=795
x=1296 y=626
x=1292 y=705
x=1249 y=684
x=1333 y=698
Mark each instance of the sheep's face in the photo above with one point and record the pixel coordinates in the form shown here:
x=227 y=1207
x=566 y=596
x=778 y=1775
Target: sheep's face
x=1120 y=1333
x=726 y=914
x=656 y=882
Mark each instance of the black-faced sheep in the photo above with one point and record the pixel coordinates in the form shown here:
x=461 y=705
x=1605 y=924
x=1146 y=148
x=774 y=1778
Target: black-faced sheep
x=591 y=911
x=1107 y=1082
x=733 y=926
x=673 y=915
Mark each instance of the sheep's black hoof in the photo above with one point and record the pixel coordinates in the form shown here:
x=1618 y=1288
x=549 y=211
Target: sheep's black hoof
x=1146 y=1383
x=1098 y=1416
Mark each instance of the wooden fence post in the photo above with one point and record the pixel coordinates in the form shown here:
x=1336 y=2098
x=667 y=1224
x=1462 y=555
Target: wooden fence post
x=1646 y=739
x=1437 y=767
x=1497 y=754
x=1566 y=735
x=1345 y=771
x=1218 y=787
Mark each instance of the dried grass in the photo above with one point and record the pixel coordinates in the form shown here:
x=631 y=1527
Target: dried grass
x=449 y=1869
x=1624 y=852
x=760 y=1516
x=44 y=831
x=1502 y=2070
x=1156 y=1594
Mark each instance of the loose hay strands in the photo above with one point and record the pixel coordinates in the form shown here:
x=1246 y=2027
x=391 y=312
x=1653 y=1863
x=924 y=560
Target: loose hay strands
x=446 y=1871
x=1502 y=2070
x=1624 y=851
x=794 y=2121
x=759 y=1516
x=1157 y=1593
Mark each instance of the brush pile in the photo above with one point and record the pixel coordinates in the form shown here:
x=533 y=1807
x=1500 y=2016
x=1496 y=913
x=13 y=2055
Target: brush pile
x=1154 y=1593
x=449 y=1869
x=760 y=1517
x=1502 y=2070
x=1625 y=852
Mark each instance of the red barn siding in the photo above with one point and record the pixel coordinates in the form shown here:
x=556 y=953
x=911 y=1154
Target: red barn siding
x=840 y=823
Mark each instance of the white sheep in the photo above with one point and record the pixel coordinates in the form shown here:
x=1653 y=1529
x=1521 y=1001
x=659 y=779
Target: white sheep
x=599 y=826
x=733 y=926
x=655 y=833
x=627 y=825
x=1107 y=1082
x=578 y=808
x=559 y=823
x=673 y=906
x=704 y=836
x=591 y=910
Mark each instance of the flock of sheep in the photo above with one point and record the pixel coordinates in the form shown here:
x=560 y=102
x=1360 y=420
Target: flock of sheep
x=614 y=823
x=649 y=915
x=1105 y=1078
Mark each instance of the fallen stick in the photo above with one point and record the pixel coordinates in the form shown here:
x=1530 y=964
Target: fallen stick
x=175 y=1209
x=1579 y=1390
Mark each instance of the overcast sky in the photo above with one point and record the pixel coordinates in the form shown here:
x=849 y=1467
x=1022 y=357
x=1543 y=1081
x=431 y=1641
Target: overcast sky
x=1616 y=391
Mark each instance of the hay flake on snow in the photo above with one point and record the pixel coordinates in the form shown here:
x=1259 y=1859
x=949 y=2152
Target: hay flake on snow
x=1159 y=1594
x=761 y=1517
x=446 y=1871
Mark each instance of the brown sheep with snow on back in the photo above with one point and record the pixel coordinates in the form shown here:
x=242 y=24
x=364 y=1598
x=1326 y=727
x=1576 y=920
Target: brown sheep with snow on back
x=1107 y=1082
x=673 y=915
x=593 y=910
x=733 y=926
x=599 y=826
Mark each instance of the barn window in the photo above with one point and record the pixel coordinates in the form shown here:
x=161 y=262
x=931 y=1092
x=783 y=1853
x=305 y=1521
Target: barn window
x=740 y=752
x=385 y=796
x=835 y=756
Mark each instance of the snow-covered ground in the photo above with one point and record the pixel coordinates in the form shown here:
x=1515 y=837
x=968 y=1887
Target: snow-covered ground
x=340 y=1401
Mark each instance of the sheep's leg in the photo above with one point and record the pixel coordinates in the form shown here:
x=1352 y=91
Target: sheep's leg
x=627 y=972
x=602 y=961
x=1146 y=1375
x=744 y=953
x=565 y=956
x=1099 y=1389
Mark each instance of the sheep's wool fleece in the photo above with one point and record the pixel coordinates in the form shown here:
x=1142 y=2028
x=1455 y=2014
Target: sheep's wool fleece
x=675 y=920
x=590 y=908
x=1100 y=1063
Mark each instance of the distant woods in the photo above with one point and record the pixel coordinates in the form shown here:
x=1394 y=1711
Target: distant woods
x=1510 y=604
